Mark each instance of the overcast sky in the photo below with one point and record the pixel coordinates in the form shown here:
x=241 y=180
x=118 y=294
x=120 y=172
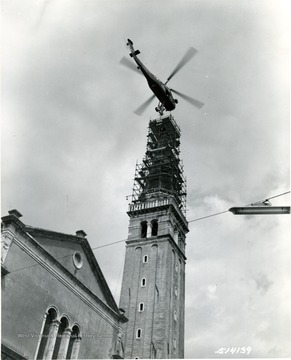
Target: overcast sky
x=70 y=141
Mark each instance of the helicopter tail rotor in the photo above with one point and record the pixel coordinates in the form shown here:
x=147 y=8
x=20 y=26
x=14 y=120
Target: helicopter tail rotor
x=136 y=52
x=126 y=62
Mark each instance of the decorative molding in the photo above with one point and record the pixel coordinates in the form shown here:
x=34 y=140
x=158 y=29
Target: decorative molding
x=8 y=353
x=4 y=270
x=7 y=237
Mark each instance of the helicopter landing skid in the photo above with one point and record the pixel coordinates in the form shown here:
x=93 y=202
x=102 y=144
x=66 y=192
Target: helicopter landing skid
x=160 y=109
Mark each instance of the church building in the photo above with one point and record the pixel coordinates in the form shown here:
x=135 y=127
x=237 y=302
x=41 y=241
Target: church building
x=56 y=303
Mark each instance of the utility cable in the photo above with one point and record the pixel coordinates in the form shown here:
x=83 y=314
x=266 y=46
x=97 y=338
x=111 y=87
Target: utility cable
x=269 y=198
x=223 y=212
x=30 y=266
x=101 y=246
x=205 y=217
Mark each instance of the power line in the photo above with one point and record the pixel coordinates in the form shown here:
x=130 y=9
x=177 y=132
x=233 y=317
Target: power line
x=272 y=197
x=30 y=266
x=287 y=192
x=223 y=212
x=207 y=216
x=101 y=246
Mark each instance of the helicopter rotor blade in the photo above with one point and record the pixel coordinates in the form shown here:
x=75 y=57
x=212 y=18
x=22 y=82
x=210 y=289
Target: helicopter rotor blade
x=126 y=62
x=191 y=100
x=143 y=106
x=187 y=57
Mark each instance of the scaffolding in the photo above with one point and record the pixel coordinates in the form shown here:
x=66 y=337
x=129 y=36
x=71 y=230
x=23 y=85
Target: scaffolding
x=161 y=172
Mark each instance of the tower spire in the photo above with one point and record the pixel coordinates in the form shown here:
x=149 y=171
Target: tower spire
x=153 y=286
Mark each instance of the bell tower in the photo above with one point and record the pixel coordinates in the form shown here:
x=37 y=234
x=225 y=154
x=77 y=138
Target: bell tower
x=153 y=286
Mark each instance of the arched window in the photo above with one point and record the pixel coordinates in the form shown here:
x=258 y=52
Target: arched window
x=62 y=341
x=138 y=333
x=143 y=229
x=50 y=327
x=58 y=341
x=74 y=344
x=143 y=282
x=141 y=307
x=145 y=259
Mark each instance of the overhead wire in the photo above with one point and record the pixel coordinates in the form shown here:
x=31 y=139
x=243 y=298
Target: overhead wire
x=272 y=197
x=225 y=211
x=119 y=241
x=207 y=216
x=30 y=266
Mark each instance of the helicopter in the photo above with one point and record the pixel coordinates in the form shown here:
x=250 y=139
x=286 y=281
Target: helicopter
x=160 y=89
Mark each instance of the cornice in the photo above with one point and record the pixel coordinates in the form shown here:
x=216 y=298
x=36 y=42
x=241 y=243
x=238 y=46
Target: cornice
x=4 y=270
x=11 y=354
x=54 y=234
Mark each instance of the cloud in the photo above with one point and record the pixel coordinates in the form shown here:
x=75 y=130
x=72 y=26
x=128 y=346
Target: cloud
x=263 y=283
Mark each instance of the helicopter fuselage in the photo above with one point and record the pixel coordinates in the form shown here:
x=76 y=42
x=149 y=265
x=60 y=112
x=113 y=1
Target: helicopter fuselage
x=161 y=91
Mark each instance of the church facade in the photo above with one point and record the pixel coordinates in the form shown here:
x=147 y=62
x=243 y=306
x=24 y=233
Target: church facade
x=56 y=303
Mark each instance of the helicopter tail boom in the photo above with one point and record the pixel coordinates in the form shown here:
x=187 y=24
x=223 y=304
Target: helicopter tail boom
x=133 y=52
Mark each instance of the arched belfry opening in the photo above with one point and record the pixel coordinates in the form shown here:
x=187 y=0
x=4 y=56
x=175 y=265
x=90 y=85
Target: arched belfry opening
x=155 y=226
x=143 y=229
x=157 y=216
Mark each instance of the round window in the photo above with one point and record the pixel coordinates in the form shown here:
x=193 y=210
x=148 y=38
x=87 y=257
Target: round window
x=77 y=260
